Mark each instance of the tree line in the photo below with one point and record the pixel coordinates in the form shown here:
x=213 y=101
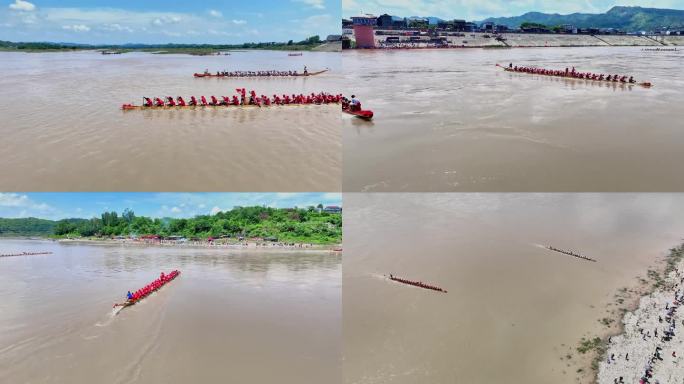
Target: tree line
x=29 y=46
x=310 y=225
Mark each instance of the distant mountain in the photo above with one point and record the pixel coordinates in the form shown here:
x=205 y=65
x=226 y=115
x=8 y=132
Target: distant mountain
x=628 y=19
x=431 y=19
x=30 y=226
x=26 y=227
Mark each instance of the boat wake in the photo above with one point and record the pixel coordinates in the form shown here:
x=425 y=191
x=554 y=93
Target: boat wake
x=110 y=317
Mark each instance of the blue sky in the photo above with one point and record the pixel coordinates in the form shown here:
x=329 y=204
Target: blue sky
x=109 y=22
x=481 y=9
x=48 y=205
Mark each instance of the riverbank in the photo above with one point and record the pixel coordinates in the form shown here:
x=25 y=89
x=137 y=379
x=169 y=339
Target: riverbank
x=282 y=306
x=215 y=244
x=644 y=330
x=193 y=51
x=527 y=40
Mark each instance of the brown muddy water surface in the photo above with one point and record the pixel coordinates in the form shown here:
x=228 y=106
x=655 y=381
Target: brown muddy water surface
x=450 y=120
x=231 y=316
x=62 y=128
x=513 y=309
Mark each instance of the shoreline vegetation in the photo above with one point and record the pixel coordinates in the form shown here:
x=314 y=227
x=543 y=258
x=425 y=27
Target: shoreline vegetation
x=262 y=227
x=313 y=43
x=588 y=358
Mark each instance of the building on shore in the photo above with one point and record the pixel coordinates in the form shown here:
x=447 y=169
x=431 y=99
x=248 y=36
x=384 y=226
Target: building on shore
x=391 y=22
x=332 y=209
x=363 y=30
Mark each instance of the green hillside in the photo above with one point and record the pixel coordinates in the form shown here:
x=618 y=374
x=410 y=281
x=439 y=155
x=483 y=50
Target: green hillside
x=628 y=19
x=26 y=227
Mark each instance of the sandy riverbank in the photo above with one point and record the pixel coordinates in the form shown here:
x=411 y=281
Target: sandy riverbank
x=629 y=354
x=244 y=245
x=527 y=40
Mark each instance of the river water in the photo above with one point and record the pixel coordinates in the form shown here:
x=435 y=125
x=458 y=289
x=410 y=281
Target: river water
x=231 y=316
x=450 y=120
x=513 y=309
x=62 y=128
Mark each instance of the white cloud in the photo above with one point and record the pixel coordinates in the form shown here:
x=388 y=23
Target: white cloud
x=239 y=22
x=215 y=13
x=215 y=210
x=15 y=200
x=332 y=196
x=317 y=4
x=172 y=34
x=166 y=20
x=76 y=28
x=176 y=210
x=21 y=5
x=319 y=19
x=115 y=27
x=222 y=33
x=286 y=195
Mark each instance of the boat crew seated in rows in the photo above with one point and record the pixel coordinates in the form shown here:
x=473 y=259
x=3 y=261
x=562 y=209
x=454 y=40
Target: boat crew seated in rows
x=153 y=286
x=573 y=74
x=255 y=73
x=251 y=99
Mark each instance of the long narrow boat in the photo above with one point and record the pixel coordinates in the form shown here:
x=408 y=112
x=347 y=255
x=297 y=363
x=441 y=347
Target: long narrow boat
x=362 y=114
x=259 y=76
x=642 y=84
x=130 y=107
x=569 y=253
x=25 y=254
x=418 y=284
x=120 y=306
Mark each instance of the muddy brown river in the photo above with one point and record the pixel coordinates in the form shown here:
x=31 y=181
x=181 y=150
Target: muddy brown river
x=244 y=317
x=513 y=310
x=62 y=128
x=450 y=120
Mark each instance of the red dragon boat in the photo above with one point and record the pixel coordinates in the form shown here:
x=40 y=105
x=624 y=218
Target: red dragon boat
x=621 y=83
x=147 y=290
x=361 y=114
x=418 y=284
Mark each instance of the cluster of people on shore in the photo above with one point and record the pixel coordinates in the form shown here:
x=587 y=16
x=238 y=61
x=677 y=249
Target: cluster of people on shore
x=151 y=287
x=243 y=98
x=409 y=45
x=25 y=254
x=569 y=253
x=660 y=49
x=222 y=244
x=416 y=283
x=666 y=335
x=572 y=73
x=256 y=73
